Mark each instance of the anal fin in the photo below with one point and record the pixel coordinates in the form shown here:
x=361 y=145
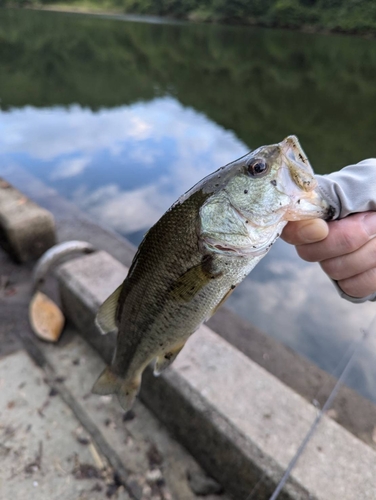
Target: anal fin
x=106 y=383
x=110 y=383
x=106 y=316
x=164 y=361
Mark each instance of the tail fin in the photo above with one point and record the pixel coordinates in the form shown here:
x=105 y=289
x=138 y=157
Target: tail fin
x=110 y=383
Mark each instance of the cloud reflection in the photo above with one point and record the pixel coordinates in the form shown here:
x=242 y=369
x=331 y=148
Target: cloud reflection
x=295 y=302
x=70 y=168
x=127 y=164
x=128 y=211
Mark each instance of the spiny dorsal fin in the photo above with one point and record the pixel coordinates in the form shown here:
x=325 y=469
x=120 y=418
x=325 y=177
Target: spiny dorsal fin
x=106 y=317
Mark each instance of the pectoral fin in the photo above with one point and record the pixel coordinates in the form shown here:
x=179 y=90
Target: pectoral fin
x=106 y=317
x=166 y=359
x=193 y=280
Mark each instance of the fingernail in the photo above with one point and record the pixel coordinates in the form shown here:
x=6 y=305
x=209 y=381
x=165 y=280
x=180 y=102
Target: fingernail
x=369 y=222
x=315 y=230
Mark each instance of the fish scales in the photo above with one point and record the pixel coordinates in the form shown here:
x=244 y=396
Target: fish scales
x=151 y=305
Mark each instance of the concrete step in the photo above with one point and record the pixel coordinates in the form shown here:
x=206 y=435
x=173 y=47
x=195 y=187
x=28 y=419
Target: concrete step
x=26 y=229
x=88 y=450
x=238 y=420
x=45 y=452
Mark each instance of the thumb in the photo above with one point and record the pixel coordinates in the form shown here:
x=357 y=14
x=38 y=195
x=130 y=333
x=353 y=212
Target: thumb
x=305 y=231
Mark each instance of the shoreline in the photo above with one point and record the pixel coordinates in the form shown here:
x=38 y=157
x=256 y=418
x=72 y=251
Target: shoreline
x=119 y=13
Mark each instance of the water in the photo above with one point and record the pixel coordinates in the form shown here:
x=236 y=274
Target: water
x=123 y=117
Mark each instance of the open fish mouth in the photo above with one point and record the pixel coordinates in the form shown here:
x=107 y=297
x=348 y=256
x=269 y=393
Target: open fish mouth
x=296 y=180
x=235 y=226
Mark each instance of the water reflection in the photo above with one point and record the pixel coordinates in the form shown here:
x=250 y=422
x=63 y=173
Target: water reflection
x=124 y=117
x=124 y=166
x=262 y=84
x=296 y=303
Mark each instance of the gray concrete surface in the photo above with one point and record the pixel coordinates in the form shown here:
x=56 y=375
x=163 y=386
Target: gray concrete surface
x=57 y=440
x=354 y=412
x=242 y=423
x=141 y=442
x=276 y=419
x=45 y=453
x=351 y=410
x=26 y=229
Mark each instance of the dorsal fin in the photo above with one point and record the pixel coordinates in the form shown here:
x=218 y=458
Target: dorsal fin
x=106 y=316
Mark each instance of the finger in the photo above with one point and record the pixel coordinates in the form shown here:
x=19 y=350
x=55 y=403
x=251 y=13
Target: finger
x=305 y=231
x=351 y=264
x=345 y=236
x=361 y=285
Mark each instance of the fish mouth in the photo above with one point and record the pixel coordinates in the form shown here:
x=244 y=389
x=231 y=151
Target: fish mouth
x=296 y=179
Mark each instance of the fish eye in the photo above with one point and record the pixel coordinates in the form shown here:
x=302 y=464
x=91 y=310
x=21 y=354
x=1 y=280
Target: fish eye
x=258 y=167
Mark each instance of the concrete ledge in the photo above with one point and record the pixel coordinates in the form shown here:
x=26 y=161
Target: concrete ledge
x=137 y=452
x=26 y=230
x=240 y=422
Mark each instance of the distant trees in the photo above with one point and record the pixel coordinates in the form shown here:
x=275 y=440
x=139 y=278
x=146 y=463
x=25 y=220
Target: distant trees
x=355 y=16
x=261 y=84
x=336 y=15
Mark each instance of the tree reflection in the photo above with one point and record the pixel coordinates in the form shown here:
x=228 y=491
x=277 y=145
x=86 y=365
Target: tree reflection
x=262 y=84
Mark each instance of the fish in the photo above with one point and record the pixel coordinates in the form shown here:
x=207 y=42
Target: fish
x=197 y=253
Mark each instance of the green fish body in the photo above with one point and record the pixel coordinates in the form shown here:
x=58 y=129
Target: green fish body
x=191 y=260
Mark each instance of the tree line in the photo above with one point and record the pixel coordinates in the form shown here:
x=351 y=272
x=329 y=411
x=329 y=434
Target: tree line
x=349 y=16
x=261 y=84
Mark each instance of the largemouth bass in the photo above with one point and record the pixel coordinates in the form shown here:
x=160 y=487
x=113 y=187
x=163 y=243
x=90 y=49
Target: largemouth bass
x=191 y=260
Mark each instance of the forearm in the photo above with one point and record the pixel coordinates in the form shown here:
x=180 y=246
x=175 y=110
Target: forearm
x=351 y=190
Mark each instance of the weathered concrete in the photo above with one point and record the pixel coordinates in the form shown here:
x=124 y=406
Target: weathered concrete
x=354 y=412
x=242 y=423
x=45 y=453
x=141 y=442
x=26 y=229
x=137 y=456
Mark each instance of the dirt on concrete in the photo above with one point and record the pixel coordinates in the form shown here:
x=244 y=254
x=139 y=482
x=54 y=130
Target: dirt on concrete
x=57 y=441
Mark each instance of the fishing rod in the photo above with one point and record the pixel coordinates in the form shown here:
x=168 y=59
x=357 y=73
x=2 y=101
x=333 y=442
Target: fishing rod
x=357 y=344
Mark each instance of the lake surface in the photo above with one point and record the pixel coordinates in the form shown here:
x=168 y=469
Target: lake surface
x=122 y=117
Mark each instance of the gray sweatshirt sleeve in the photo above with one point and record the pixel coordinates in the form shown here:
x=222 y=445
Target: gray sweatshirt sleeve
x=349 y=191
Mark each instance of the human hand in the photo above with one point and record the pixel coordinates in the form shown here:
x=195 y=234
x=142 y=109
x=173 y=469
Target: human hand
x=345 y=249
